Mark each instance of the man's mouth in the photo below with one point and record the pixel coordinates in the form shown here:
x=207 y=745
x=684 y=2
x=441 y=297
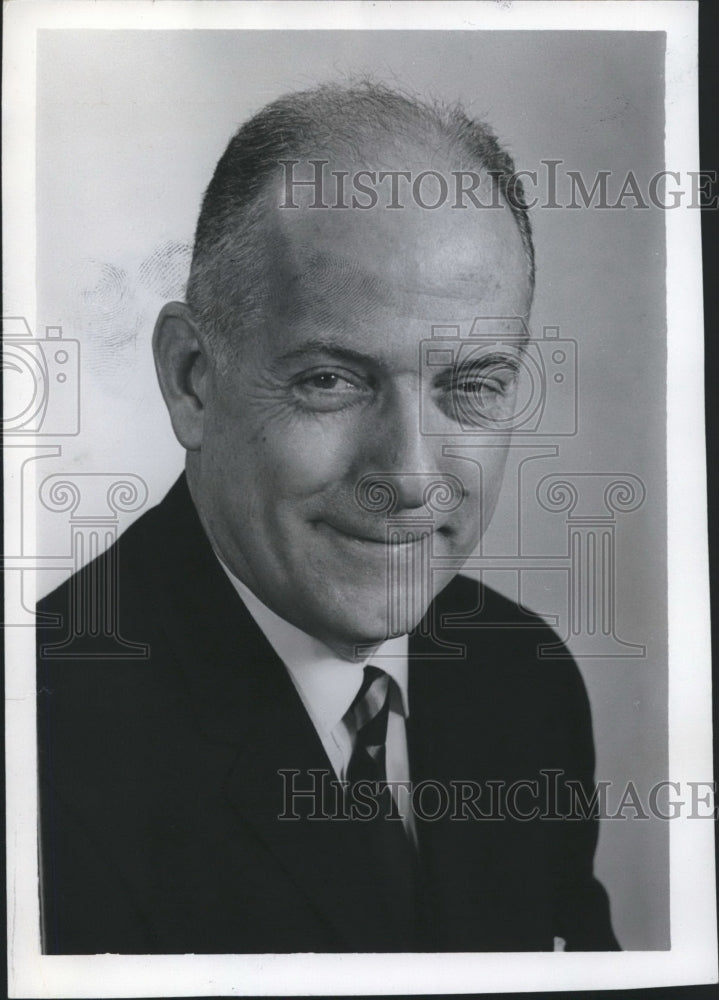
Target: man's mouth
x=392 y=535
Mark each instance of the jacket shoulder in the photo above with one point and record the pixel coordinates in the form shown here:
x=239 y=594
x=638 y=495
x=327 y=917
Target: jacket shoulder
x=139 y=545
x=466 y=602
x=506 y=648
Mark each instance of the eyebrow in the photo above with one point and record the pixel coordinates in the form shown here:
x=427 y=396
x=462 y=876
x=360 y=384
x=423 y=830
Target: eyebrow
x=332 y=347
x=469 y=366
x=343 y=353
x=484 y=360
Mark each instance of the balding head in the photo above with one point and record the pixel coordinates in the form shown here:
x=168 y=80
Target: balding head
x=233 y=280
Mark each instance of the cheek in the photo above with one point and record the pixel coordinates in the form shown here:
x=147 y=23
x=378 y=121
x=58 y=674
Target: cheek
x=493 y=479
x=482 y=476
x=314 y=457
x=291 y=459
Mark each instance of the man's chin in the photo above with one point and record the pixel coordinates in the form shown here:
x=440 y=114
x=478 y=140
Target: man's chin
x=356 y=637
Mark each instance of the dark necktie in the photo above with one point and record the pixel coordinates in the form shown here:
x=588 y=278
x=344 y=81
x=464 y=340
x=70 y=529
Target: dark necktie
x=391 y=853
x=367 y=718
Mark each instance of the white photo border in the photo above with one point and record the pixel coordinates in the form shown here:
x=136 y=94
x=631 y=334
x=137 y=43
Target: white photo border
x=693 y=955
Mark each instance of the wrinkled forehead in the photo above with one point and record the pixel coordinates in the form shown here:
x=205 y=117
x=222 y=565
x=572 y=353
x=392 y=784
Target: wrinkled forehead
x=415 y=259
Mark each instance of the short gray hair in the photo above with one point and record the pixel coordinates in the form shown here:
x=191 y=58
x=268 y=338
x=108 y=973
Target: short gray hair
x=228 y=284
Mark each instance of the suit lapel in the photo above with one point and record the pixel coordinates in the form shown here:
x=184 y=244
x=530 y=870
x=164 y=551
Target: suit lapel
x=470 y=723
x=446 y=746
x=327 y=858
x=242 y=697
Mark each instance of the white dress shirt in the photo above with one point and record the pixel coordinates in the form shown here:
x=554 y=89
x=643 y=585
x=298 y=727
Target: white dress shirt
x=328 y=684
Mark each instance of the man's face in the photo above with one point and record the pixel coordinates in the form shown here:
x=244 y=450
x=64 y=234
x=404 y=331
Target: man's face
x=329 y=412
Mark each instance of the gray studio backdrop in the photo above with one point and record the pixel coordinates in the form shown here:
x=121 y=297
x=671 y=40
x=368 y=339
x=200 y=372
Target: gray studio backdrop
x=129 y=128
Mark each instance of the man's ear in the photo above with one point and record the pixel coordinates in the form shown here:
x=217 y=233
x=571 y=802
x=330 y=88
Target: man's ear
x=182 y=371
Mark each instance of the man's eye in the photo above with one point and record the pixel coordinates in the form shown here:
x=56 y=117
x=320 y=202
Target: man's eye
x=325 y=391
x=328 y=381
x=484 y=396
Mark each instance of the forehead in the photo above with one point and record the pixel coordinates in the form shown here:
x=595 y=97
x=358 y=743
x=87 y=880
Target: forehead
x=350 y=267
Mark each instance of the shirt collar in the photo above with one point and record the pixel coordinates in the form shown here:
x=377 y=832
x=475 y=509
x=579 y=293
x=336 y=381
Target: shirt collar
x=326 y=683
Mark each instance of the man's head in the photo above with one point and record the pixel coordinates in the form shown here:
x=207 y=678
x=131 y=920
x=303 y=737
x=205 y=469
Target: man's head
x=295 y=376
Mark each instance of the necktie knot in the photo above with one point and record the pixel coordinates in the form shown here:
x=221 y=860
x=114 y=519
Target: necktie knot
x=371 y=697
x=367 y=720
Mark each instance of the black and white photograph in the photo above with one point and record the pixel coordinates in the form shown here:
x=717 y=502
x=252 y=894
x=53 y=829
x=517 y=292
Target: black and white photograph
x=356 y=584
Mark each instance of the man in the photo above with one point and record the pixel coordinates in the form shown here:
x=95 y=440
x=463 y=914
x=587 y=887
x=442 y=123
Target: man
x=309 y=639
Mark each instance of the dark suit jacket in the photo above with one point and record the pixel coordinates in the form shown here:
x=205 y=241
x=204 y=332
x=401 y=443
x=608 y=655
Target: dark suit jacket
x=160 y=789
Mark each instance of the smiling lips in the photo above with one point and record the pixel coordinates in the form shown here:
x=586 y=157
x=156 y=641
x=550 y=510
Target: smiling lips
x=394 y=535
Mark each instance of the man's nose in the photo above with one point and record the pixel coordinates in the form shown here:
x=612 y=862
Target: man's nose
x=404 y=458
